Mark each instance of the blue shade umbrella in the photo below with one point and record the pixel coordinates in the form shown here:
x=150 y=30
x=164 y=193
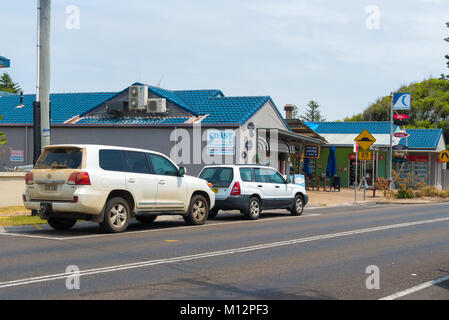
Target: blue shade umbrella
x=331 y=169
x=306 y=168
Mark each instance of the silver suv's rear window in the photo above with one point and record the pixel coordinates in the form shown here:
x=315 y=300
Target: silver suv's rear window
x=60 y=158
x=219 y=177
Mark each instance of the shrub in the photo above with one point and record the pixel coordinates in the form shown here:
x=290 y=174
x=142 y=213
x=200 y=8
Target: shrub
x=405 y=193
x=430 y=191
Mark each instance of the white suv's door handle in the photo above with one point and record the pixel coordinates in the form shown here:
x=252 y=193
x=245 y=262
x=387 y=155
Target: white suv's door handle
x=131 y=180
x=162 y=182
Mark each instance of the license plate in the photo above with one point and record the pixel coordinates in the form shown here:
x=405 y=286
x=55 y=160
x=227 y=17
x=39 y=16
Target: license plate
x=215 y=190
x=51 y=187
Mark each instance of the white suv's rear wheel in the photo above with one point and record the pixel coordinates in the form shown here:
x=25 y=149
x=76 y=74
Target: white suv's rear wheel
x=254 y=210
x=116 y=216
x=198 y=211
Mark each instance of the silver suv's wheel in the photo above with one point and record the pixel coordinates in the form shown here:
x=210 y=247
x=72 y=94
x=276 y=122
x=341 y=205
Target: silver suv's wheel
x=254 y=209
x=116 y=216
x=61 y=223
x=198 y=211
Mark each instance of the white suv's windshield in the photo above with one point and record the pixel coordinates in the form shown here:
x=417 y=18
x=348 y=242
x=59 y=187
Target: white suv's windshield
x=60 y=158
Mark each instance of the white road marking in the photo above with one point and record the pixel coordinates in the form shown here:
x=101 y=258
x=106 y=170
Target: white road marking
x=154 y=230
x=143 y=264
x=416 y=288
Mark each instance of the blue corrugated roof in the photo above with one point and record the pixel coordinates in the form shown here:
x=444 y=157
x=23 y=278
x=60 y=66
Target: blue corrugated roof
x=347 y=127
x=422 y=138
x=196 y=97
x=4 y=62
x=219 y=109
x=64 y=106
x=102 y=120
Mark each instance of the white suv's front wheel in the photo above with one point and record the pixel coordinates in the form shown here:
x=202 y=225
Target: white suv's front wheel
x=298 y=206
x=198 y=211
x=116 y=216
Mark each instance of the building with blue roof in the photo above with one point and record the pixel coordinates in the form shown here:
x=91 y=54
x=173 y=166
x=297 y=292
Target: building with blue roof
x=114 y=118
x=421 y=149
x=4 y=62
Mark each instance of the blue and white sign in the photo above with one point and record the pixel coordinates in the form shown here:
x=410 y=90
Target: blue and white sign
x=299 y=180
x=402 y=101
x=221 y=142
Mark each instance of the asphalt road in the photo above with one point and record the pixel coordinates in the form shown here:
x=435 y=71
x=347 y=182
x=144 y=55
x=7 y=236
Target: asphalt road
x=323 y=254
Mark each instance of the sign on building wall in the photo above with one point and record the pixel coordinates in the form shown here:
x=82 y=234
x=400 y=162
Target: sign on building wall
x=221 y=142
x=312 y=152
x=17 y=155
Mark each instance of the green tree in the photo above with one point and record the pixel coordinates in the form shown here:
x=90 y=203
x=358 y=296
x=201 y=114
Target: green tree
x=7 y=85
x=313 y=113
x=430 y=106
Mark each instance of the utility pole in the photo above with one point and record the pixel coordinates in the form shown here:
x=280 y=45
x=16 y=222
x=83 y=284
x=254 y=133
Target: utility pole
x=44 y=69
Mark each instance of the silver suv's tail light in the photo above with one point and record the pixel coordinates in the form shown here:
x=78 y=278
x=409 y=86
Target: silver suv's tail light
x=79 y=178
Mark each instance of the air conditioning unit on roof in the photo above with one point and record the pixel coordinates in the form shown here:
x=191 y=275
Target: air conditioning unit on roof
x=157 y=105
x=138 y=96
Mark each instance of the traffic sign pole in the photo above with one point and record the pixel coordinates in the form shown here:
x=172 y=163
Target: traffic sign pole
x=356 y=171
x=391 y=142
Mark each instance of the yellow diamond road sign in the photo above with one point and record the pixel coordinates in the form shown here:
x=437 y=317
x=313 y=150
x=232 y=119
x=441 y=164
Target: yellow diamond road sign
x=444 y=156
x=365 y=140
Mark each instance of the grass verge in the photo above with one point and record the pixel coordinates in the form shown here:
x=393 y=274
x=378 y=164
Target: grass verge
x=13 y=209
x=20 y=220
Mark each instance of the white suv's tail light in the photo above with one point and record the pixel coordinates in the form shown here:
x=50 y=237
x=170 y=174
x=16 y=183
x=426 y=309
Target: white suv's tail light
x=29 y=178
x=79 y=178
x=236 y=189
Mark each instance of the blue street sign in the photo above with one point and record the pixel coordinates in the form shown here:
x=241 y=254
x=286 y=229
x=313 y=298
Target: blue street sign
x=402 y=101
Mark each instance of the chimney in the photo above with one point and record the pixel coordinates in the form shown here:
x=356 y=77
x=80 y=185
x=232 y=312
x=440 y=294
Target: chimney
x=289 y=111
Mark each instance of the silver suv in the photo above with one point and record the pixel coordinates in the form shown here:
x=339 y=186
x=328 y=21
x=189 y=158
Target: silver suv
x=110 y=185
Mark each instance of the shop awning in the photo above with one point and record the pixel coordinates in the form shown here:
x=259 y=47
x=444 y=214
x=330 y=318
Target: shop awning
x=287 y=140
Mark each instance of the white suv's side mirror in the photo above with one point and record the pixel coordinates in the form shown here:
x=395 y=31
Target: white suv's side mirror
x=182 y=171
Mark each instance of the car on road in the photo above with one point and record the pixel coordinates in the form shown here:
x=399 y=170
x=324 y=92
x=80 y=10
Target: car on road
x=252 y=188
x=110 y=185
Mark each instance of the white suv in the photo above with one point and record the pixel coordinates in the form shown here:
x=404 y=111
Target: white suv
x=251 y=188
x=111 y=185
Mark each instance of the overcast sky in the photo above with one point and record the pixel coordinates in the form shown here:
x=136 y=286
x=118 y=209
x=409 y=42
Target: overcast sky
x=340 y=53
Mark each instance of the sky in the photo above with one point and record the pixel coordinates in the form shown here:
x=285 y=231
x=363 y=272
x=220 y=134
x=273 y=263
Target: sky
x=344 y=54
